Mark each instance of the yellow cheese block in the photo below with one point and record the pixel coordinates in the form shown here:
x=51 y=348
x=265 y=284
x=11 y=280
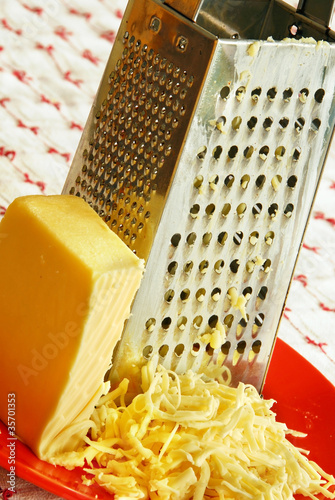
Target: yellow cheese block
x=66 y=286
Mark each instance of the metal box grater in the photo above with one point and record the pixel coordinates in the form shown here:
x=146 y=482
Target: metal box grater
x=204 y=153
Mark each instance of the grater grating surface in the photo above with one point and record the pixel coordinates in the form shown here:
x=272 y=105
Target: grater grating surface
x=204 y=155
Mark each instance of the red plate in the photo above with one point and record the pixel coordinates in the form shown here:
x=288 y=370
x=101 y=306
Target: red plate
x=305 y=402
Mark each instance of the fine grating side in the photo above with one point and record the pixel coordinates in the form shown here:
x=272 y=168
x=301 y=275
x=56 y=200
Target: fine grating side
x=204 y=156
x=126 y=159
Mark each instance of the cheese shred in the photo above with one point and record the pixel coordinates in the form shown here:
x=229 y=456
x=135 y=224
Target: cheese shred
x=186 y=437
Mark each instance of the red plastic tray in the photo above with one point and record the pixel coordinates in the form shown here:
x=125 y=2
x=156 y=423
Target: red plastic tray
x=305 y=402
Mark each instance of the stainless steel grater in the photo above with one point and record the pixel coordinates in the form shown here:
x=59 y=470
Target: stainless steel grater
x=203 y=152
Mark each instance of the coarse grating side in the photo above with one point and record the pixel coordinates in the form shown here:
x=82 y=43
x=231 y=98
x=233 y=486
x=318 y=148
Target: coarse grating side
x=217 y=203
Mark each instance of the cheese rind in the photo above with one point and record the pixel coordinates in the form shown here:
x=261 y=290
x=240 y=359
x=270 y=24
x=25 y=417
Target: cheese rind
x=66 y=286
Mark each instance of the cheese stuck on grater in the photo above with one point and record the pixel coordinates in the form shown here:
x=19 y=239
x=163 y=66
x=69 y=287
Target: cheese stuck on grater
x=67 y=283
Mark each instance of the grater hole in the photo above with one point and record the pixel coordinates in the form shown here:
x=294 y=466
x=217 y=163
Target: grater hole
x=150 y=324
x=197 y=183
x=255 y=349
x=255 y=94
x=195 y=349
x=292 y=181
x=260 y=181
x=253 y=237
x=315 y=125
x=172 y=268
x=272 y=210
x=163 y=350
x=296 y=154
x=233 y=152
x=166 y=323
x=248 y=152
x=220 y=123
x=256 y=346
x=269 y=237
x=194 y=210
x=303 y=94
x=178 y=350
x=206 y=239
x=267 y=123
x=188 y=267
x=191 y=238
x=238 y=237
x=236 y=123
x=217 y=151
x=210 y=209
x=234 y=265
x=218 y=266
x=299 y=124
x=287 y=94
x=262 y=292
x=263 y=152
x=245 y=179
x=288 y=210
x=209 y=350
x=201 y=154
x=213 y=321
x=168 y=296
x=200 y=294
x=241 y=209
x=240 y=348
x=225 y=348
x=250 y=266
x=124 y=40
x=240 y=327
x=215 y=294
x=228 y=320
x=150 y=54
x=259 y=319
x=257 y=209
x=185 y=295
x=190 y=81
x=213 y=181
x=276 y=181
x=175 y=239
x=222 y=238
x=197 y=322
x=147 y=351
x=266 y=266
x=319 y=95
x=252 y=122
x=271 y=94
x=224 y=92
x=280 y=152
x=283 y=122
x=181 y=323
x=240 y=93
x=203 y=266
x=226 y=209
x=182 y=110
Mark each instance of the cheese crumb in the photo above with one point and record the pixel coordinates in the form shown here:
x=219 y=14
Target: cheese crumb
x=253 y=48
x=215 y=337
x=237 y=301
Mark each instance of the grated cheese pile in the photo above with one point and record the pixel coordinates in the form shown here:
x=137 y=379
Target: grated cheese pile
x=186 y=437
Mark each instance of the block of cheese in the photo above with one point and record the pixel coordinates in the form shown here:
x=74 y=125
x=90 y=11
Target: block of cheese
x=66 y=287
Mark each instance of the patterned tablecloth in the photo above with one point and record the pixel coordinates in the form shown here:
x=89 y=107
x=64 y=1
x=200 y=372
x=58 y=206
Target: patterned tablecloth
x=52 y=55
